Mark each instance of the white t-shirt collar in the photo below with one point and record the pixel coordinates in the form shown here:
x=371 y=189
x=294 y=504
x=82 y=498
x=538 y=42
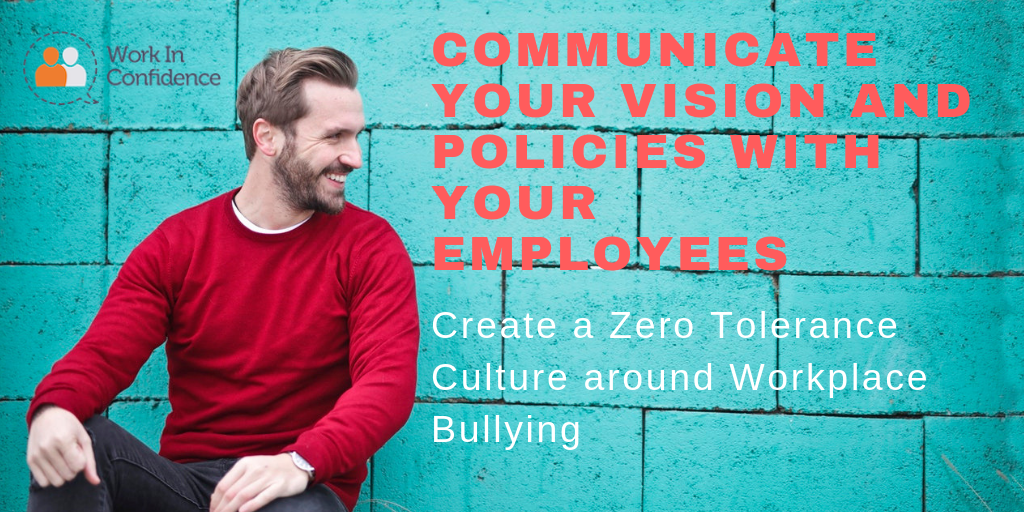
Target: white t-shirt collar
x=253 y=227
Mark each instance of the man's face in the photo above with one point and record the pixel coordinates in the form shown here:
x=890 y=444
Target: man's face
x=316 y=160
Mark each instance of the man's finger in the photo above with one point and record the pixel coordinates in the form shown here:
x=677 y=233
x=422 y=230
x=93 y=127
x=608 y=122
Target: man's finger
x=51 y=475
x=61 y=466
x=225 y=484
x=269 y=494
x=85 y=443
x=74 y=458
x=37 y=473
x=246 y=491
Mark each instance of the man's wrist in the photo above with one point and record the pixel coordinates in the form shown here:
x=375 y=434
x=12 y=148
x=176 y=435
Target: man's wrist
x=301 y=463
x=44 y=407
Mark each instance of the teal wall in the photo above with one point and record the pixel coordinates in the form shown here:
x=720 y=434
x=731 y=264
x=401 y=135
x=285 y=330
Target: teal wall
x=934 y=238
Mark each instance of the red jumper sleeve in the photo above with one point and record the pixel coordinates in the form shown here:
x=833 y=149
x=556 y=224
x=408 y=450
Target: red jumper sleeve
x=383 y=346
x=131 y=323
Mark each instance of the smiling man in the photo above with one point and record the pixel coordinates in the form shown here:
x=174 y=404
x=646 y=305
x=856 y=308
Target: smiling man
x=290 y=324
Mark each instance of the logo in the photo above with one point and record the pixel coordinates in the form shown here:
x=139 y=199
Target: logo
x=60 y=68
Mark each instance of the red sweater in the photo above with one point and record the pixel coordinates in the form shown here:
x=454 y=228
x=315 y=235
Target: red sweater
x=301 y=341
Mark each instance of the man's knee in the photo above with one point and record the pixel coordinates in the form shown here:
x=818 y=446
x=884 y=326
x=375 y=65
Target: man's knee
x=319 y=498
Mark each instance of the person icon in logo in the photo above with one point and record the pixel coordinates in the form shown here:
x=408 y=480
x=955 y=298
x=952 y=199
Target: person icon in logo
x=50 y=74
x=75 y=72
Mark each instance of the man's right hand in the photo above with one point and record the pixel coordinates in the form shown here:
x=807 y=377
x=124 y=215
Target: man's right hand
x=59 y=448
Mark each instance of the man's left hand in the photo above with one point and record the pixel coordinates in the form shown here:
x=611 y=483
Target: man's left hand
x=255 y=481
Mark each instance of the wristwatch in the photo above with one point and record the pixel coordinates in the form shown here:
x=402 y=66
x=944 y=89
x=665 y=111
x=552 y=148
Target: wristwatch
x=303 y=464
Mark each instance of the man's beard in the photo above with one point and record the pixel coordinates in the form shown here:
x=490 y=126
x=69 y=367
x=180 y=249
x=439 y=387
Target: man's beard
x=299 y=183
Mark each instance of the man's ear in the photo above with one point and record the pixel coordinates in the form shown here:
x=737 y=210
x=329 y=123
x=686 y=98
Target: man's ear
x=269 y=139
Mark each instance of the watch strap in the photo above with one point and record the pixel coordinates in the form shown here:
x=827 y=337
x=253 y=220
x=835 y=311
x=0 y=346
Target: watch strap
x=303 y=464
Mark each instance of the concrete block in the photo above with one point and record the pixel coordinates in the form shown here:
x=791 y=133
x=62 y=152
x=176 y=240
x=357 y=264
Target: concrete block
x=708 y=461
x=565 y=296
x=916 y=42
x=203 y=31
x=971 y=460
x=602 y=473
x=44 y=311
x=151 y=382
x=403 y=174
x=28 y=29
x=390 y=44
x=964 y=334
x=15 y=480
x=464 y=294
x=972 y=205
x=610 y=17
x=144 y=420
x=154 y=175
x=52 y=198
x=832 y=220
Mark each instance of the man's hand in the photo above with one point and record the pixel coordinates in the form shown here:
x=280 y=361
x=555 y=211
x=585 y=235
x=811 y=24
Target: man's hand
x=59 y=448
x=255 y=481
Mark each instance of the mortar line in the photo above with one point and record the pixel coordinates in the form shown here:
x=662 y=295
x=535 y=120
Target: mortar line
x=924 y=466
x=373 y=503
x=517 y=265
x=639 y=211
x=778 y=363
x=107 y=14
x=106 y=198
x=504 y=314
x=112 y=129
x=369 y=168
x=522 y=127
x=643 y=455
x=771 y=128
x=501 y=82
x=717 y=410
x=753 y=412
x=917 y=212
x=34 y=264
x=635 y=267
x=238 y=15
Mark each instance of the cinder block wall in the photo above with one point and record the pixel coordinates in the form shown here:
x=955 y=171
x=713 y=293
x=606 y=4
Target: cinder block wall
x=934 y=237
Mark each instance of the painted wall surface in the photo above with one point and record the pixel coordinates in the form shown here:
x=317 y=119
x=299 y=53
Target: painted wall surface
x=933 y=238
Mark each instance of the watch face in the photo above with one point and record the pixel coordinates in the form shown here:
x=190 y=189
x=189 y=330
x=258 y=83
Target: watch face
x=301 y=462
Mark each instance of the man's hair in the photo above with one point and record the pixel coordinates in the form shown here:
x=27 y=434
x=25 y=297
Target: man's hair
x=272 y=89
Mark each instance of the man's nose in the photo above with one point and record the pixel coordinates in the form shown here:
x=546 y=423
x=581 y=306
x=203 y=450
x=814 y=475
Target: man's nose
x=352 y=157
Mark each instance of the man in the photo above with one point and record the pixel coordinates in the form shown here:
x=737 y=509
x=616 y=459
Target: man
x=290 y=324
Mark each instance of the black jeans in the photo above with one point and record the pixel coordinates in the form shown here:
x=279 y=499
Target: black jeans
x=134 y=478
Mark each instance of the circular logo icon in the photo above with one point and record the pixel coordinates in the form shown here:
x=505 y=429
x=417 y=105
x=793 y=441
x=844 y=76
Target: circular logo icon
x=60 y=68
